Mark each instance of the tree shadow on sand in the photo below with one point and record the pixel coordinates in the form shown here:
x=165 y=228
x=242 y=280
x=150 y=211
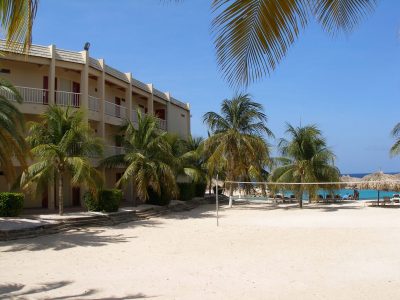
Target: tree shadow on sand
x=74 y=238
x=294 y=206
x=21 y=291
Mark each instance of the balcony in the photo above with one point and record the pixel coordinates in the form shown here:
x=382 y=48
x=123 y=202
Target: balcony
x=68 y=99
x=113 y=150
x=161 y=124
x=29 y=95
x=94 y=104
x=115 y=110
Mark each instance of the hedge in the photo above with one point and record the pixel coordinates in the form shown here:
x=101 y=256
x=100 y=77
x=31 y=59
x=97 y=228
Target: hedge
x=11 y=204
x=107 y=200
x=200 y=189
x=186 y=191
x=164 y=198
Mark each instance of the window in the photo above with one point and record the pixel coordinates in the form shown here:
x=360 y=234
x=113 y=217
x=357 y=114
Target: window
x=5 y=71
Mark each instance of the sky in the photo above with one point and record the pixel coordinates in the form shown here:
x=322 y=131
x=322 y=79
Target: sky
x=347 y=85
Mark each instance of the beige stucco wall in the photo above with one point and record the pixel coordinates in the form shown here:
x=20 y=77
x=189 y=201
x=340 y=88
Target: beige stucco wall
x=178 y=121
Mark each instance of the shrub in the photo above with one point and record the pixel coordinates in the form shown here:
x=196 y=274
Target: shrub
x=107 y=200
x=164 y=198
x=11 y=204
x=200 y=189
x=186 y=191
x=90 y=202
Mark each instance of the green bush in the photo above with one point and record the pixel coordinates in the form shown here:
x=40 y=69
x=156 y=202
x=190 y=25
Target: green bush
x=186 y=191
x=154 y=198
x=107 y=200
x=90 y=202
x=11 y=204
x=200 y=189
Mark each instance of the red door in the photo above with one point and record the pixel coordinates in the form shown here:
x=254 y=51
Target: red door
x=76 y=196
x=76 y=89
x=45 y=199
x=160 y=113
x=117 y=108
x=46 y=90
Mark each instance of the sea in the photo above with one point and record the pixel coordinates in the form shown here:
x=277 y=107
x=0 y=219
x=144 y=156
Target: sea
x=364 y=194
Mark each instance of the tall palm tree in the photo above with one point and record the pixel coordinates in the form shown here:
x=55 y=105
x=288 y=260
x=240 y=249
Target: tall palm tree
x=16 y=18
x=12 y=141
x=253 y=36
x=238 y=138
x=306 y=158
x=189 y=156
x=395 y=149
x=147 y=157
x=62 y=145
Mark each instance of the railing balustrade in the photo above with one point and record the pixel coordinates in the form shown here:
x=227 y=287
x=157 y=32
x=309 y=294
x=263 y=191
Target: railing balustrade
x=94 y=103
x=68 y=99
x=113 y=150
x=115 y=110
x=29 y=95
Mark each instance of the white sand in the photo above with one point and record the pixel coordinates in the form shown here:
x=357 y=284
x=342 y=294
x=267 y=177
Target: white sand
x=336 y=252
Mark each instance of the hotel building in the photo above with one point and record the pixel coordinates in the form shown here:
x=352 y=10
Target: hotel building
x=48 y=75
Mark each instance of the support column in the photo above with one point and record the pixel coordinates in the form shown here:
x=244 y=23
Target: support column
x=84 y=101
x=52 y=75
x=150 y=101
x=128 y=96
x=168 y=113
x=189 y=116
x=101 y=85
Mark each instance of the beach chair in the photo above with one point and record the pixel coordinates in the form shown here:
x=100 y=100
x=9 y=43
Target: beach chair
x=386 y=200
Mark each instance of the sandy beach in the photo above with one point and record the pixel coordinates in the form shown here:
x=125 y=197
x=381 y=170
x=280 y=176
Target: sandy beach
x=344 y=251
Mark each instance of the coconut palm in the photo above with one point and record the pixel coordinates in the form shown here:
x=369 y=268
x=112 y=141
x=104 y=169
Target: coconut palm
x=395 y=149
x=253 y=36
x=12 y=141
x=147 y=157
x=237 y=138
x=306 y=158
x=16 y=18
x=189 y=158
x=62 y=144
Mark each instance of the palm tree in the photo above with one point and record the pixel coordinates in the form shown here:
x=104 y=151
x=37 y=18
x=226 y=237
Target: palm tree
x=237 y=138
x=306 y=158
x=251 y=37
x=62 y=144
x=395 y=149
x=16 y=18
x=12 y=141
x=147 y=157
x=189 y=156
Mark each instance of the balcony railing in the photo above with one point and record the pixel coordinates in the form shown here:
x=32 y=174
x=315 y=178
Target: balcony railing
x=161 y=124
x=29 y=95
x=113 y=150
x=94 y=103
x=115 y=110
x=68 y=99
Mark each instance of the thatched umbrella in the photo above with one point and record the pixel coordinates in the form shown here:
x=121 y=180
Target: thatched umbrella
x=351 y=182
x=380 y=181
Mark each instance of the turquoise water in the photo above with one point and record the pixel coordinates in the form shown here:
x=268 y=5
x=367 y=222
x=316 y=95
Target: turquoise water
x=364 y=194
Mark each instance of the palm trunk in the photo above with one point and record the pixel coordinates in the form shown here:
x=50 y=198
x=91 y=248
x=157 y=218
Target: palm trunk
x=230 y=189
x=60 y=195
x=210 y=186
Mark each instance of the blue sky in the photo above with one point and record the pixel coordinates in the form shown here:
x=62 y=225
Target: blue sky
x=349 y=85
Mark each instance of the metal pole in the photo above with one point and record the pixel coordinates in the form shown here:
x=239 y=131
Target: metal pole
x=216 y=199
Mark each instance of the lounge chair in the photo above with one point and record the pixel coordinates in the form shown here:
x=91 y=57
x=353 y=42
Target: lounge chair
x=386 y=200
x=395 y=198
